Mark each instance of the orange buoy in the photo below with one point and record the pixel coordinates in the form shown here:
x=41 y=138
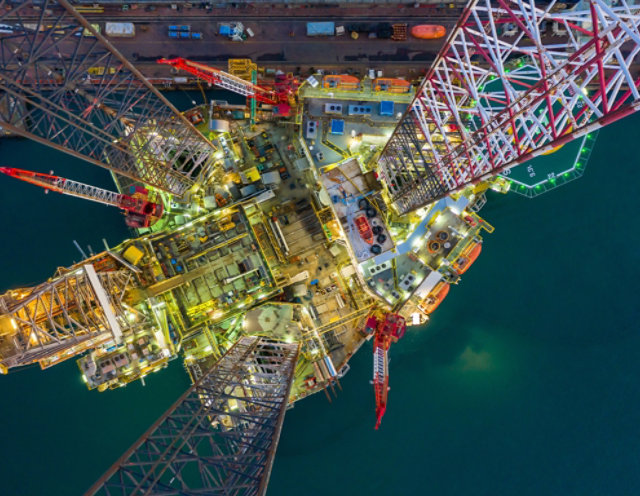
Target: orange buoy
x=428 y=31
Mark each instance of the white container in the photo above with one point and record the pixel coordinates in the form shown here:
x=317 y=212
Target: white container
x=120 y=29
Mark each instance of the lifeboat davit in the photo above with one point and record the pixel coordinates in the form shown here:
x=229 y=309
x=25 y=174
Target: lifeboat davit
x=464 y=261
x=428 y=31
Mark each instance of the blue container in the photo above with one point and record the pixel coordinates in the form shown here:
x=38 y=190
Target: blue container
x=337 y=126
x=321 y=29
x=386 y=108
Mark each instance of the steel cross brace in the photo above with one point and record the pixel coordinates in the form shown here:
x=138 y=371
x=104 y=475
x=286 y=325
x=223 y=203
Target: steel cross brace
x=61 y=317
x=64 y=85
x=515 y=79
x=220 y=437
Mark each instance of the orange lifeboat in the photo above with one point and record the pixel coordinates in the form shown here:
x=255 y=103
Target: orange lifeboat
x=364 y=228
x=431 y=302
x=392 y=85
x=428 y=31
x=464 y=261
x=343 y=81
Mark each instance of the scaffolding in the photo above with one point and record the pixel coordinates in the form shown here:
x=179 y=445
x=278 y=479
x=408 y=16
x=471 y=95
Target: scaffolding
x=63 y=317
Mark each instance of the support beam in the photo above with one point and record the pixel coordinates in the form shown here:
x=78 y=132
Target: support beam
x=514 y=80
x=220 y=437
x=63 y=317
x=64 y=85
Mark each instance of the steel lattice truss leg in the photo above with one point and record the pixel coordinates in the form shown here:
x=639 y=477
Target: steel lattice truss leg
x=72 y=90
x=514 y=80
x=221 y=436
x=63 y=317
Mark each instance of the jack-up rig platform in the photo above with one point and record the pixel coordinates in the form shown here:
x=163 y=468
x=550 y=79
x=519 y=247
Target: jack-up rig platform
x=273 y=239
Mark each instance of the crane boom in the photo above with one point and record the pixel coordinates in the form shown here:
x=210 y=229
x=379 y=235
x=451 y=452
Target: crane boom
x=222 y=79
x=140 y=212
x=386 y=330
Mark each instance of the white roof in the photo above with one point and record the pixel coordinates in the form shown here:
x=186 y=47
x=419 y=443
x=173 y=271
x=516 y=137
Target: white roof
x=428 y=284
x=272 y=177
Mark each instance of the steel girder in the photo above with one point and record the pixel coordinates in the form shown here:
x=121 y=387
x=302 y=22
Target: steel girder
x=63 y=84
x=515 y=79
x=93 y=193
x=63 y=317
x=220 y=437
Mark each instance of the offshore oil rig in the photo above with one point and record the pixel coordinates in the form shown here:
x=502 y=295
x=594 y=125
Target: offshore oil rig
x=274 y=238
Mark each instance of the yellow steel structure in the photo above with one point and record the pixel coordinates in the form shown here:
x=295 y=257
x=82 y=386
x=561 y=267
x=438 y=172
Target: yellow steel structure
x=242 y=68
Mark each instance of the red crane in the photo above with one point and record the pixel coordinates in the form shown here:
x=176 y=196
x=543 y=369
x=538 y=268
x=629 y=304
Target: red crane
x=223 y=80
x=140 y=212
x=385 y=332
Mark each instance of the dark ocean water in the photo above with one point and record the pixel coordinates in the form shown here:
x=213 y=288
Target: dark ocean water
x=525 y=382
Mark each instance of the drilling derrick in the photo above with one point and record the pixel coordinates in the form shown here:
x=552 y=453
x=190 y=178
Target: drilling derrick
x=503 y=90
x=64 y=85
x=65 y=316
x=220 y=437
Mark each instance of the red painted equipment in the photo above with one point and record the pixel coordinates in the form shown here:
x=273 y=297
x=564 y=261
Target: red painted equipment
x=223 y=80
x=387 y=331
x=281 y=92
x=364 y=228
x=140 y=212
